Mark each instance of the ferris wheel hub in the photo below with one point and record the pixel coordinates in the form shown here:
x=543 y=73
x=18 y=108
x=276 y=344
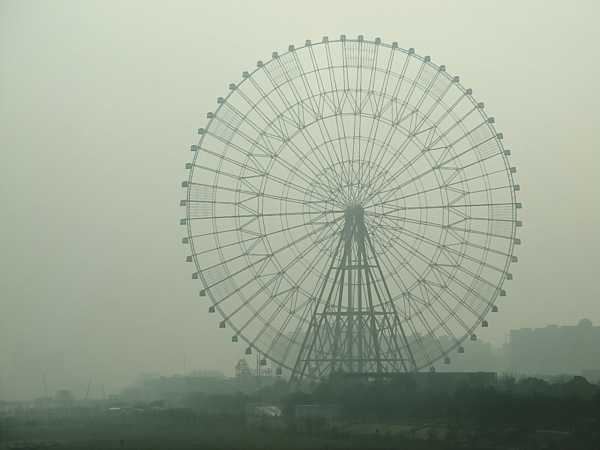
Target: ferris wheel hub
x=355 y=211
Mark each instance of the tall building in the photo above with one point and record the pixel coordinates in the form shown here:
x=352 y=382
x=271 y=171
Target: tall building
x=554 y=350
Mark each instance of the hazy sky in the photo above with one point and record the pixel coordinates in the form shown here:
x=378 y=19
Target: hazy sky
x=99 y=102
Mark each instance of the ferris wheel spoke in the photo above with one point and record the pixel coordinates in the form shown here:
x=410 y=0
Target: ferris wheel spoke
x=357 y=119
x=280 y=332
x=258 y=168
x=333 y=182
x=281 y=198
x=484 y=249
x=285 y=101
x=415 y=253
x=439 y=299
x=320 y=239
x=397 y=90
x=287 y=184
x=410 y=310
x=274 y=294
x=474 y=163
x=262 y=287
x=303 y=307
x=431 y=331
x=392 y=338
x=392 y=269
x=392 y=304
x=398 y=281
x=311 y=309
x=374 y=129
x=394 y=220
x=418 y=311
x=424 y=282
x=350 y=98
x=284 y=139
x=460 y=301
x=435 y=125
x=267 y=324
x=273 y=156
x=449 y=249
x=376 y=98
x=241 y=204
x=448 y=206
x=261 y=214
x=326 y=137
x=412 y=134
x=450 y=226
x=243 y=167
x=387 y=192
x=353 y=95
x=281 y=274
x=418 y=336
x=413 y=85
x=339 y=122
x=298 y=258
x=259 y=236
x=325 y=134
x=438 y=245
x=211 y=233
x=446 y=186
x=448 y=276
x=312 y=144
x=301 y=174
x=262 y=258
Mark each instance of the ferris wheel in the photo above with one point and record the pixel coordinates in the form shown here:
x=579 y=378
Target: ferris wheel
x=350 y=207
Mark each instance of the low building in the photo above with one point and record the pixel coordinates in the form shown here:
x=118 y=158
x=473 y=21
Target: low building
x=260 y=410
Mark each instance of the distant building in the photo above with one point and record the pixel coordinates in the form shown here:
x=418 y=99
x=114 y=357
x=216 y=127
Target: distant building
x=554 y=349
x=479 y=356
x=242 y=370
x=64 y=398
x=176 y=389
x=430 y=381
x=451 y=381
x=592 y=375
x=173 y=388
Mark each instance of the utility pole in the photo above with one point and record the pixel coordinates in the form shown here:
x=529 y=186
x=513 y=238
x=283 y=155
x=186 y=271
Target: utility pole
x=45 y=384
x=87 y=392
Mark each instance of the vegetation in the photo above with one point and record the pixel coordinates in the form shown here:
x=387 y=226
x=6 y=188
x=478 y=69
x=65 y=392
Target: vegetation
x=527 y=413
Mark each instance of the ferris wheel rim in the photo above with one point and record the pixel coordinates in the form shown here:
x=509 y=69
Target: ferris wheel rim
x=222 y=101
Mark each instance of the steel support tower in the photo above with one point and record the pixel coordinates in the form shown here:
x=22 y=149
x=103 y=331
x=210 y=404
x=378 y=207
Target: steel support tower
x=355 y=326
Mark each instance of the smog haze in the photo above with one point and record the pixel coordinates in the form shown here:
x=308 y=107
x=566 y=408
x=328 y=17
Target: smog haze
x=100 y=101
